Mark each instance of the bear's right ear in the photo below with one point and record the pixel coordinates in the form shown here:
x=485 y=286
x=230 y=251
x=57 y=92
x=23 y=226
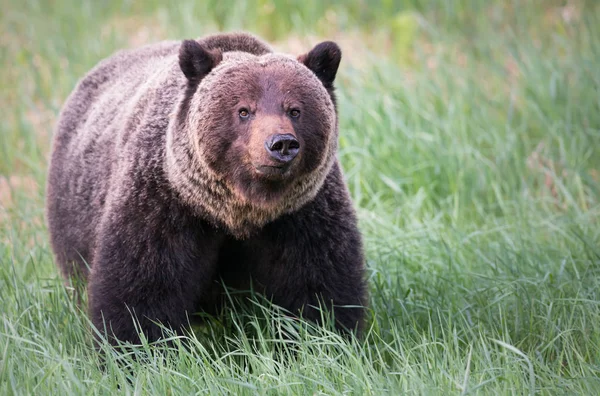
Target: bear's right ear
x=197 y=61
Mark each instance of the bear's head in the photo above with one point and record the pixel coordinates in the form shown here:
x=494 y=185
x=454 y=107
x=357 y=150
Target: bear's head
x=260 y=131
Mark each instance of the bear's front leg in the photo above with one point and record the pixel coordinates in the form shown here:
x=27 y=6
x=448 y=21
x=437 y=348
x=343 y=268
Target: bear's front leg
x=313 y=257
x=153 y=267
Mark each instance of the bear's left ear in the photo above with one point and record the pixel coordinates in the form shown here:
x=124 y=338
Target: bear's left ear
x=196 y=61
x=324 y=60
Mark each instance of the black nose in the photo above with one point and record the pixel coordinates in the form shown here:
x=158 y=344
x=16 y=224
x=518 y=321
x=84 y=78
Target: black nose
x=282 y=148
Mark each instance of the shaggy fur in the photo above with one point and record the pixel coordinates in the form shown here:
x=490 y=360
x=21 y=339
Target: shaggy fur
x=154 y=183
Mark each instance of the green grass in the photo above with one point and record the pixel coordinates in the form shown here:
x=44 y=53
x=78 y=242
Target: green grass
x=470 y=139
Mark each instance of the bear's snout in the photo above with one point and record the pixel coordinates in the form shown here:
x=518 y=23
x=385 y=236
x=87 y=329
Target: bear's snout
x=283 y=148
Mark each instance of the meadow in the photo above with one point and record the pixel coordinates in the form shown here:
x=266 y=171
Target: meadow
x=470 y=140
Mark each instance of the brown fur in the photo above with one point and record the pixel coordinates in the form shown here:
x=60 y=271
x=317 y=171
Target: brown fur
x=153 y=183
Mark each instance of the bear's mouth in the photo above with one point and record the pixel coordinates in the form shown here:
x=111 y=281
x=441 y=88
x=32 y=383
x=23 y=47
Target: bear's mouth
x=273 y=172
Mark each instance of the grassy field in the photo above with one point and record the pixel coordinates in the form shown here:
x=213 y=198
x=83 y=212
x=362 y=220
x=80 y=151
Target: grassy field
x=470 y=139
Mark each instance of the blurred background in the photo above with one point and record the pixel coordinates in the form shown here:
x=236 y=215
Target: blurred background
x=469 y=137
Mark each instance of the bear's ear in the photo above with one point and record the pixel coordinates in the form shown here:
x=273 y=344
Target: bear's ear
x=324 y=60
x=197 y=61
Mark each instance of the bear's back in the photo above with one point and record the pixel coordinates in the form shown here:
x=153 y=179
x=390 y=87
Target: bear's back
x=105 y=109
x=104 y=90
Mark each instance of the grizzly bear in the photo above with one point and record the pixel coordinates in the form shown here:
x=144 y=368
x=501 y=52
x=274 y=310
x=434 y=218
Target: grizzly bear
x=181 y=168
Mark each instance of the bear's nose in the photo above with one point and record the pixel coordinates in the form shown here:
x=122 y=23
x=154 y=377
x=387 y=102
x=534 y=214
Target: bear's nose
x=282 y=147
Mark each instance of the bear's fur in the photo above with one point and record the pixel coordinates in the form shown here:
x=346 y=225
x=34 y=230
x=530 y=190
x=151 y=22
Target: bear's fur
x=160 y=182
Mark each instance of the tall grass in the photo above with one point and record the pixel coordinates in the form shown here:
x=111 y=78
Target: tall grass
x=470 y=140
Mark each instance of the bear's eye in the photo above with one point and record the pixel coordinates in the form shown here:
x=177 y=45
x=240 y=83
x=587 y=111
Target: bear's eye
x=294 y=113
x=244 y=113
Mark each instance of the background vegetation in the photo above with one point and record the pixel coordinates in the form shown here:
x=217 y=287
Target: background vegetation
x=470 y=139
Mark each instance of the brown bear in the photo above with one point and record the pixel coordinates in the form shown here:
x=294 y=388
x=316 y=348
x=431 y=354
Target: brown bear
x=184 y=166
